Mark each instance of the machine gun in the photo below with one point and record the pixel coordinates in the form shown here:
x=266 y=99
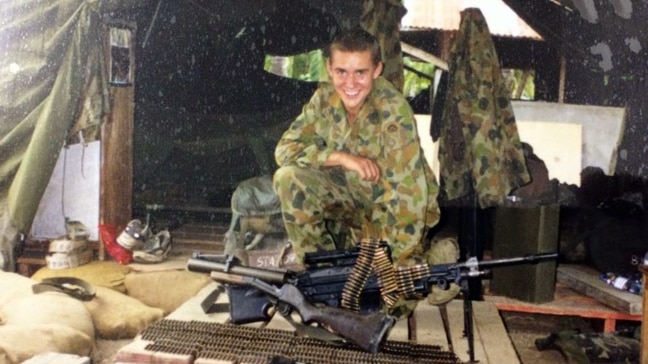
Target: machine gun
x=348 y=288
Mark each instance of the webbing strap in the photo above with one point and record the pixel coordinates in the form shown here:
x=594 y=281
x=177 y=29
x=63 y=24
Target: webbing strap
x=71 y=286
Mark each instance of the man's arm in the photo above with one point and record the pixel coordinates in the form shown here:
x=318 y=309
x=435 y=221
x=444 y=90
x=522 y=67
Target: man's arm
x=367 y=168
x=301 y=144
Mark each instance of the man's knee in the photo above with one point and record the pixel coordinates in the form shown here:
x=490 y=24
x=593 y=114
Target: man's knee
x=285 y=172
x=285 y=176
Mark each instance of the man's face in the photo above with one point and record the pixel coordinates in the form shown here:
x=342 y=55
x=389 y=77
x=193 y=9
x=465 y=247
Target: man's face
x=353 y=75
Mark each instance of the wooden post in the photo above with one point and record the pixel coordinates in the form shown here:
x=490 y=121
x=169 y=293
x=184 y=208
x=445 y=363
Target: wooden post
x=116 y=191
x=563 y=76
x=644 y=328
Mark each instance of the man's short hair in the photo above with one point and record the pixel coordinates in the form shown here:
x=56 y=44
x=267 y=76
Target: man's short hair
x=355 y=40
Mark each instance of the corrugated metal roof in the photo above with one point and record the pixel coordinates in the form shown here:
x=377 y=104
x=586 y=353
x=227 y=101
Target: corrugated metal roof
x=445 y=15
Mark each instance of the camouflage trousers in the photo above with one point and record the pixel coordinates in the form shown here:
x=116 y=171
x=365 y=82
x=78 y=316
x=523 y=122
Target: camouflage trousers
x=310 y=198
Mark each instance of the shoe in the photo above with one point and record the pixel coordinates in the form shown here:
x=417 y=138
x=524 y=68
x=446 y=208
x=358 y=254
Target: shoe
x=632 y=283
x=635 y=284
x=155 y=250
x=607 y=278
x=134 y=235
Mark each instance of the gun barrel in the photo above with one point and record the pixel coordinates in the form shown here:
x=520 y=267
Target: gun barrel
x=206 y=266
x=528 y=259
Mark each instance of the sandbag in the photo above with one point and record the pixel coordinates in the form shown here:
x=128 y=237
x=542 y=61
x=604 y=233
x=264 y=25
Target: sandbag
x=13 y=285
x=31 y=324
x=50 y=308
x=98 y=273
x=20 y=342
x=118 y=316
x=166 y=289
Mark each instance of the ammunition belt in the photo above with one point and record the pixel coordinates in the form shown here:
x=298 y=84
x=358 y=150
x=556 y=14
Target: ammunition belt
x=395 y=282
x=244 y=344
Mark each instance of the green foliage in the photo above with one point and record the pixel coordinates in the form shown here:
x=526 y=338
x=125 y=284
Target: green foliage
x=415 y=83
x=520 y=83
x=308 y=67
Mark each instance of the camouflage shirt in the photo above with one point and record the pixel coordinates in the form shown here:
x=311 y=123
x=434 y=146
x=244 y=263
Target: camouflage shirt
x=384 y=130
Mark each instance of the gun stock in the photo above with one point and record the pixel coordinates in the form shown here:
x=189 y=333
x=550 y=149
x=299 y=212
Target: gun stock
x=367 y=331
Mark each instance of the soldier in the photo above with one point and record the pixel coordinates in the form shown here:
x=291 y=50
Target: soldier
x=353 y=156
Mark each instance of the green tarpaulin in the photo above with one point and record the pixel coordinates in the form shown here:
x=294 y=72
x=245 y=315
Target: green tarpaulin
x=50 y=51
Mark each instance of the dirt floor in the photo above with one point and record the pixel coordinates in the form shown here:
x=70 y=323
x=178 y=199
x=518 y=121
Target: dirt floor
x=525 y=328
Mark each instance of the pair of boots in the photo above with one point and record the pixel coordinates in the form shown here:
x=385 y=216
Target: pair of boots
x=146 y=246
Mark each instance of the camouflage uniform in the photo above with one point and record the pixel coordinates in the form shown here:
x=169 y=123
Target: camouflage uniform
x=382 y=19
x=585 y=348
x=396 y=209
x=479 y=143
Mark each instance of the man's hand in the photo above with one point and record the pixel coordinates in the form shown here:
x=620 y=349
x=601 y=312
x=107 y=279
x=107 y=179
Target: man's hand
x=366 y=168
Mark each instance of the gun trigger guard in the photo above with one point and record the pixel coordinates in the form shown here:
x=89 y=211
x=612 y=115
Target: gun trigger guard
x=316 y=332
x=283 y=308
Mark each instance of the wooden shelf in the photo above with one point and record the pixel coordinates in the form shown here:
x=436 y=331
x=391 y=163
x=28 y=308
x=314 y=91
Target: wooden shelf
x=567 y=302
x=34 y=259
x=585 y=280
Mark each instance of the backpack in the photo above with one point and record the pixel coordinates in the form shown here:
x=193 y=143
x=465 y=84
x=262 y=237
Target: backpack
x=257 y=234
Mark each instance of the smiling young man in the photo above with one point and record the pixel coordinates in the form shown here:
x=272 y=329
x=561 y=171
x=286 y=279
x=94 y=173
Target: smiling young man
x=353 y=157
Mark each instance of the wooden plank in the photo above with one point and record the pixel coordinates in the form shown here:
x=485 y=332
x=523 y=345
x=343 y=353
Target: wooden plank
x=430 y=326
x=399 y=331
x=586 y=281
x=203 y=237
x=492 y=334
x=460 y=341
x=425 y=56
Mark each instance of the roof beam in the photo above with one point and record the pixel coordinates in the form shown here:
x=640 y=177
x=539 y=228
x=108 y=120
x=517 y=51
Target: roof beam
x=423 y=55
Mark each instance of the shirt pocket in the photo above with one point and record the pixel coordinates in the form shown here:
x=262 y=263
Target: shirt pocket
x=394 y=135
x=400 y=149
